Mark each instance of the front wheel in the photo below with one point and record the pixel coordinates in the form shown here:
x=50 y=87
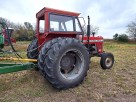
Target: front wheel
x=107 y=60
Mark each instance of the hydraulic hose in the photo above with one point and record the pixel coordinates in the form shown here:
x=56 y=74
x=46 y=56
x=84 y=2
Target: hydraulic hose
x=6 y=27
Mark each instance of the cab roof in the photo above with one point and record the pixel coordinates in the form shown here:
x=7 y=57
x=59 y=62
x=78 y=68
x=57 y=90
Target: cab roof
x=56 y=11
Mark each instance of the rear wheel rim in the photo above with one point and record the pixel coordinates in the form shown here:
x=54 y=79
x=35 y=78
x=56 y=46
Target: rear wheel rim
x=73 y=69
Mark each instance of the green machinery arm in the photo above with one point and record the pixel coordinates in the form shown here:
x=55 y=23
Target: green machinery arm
x=9 y=68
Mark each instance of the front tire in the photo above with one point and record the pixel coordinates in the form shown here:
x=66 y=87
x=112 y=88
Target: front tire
x=66 y=63
x=107 y=60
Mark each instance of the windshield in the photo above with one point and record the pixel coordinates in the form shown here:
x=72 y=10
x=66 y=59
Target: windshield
x=61 y=23
x=64 y=23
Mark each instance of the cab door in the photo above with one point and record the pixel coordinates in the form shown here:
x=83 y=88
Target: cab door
x=41 y=34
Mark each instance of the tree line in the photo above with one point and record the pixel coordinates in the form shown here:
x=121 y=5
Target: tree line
x=22 y=32
x=26 y=31
x=131 y=31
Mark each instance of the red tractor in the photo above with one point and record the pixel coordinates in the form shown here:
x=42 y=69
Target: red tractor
x=6 y=41
x=63 y=49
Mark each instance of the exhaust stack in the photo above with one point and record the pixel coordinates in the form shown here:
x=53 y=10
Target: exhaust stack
x=88 y=30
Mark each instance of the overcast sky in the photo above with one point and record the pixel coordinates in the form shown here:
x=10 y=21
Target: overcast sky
x=111 y=16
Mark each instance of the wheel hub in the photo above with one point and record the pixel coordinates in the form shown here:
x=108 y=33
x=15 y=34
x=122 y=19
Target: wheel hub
x=67 y=61
x=108 y=62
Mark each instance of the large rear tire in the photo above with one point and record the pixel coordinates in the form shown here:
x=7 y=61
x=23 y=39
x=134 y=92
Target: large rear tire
x=65 y=63
x=32 y=50
x=43 y=54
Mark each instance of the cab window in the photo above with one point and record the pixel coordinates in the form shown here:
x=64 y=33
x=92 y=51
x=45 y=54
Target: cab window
x=61 y=23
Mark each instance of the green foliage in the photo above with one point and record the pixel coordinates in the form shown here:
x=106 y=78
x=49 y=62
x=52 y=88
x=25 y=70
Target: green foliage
x=115 y=37
x=122 y=37
x=23 y=34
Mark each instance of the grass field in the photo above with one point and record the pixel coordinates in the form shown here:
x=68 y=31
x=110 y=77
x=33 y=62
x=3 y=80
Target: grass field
x=115 y=85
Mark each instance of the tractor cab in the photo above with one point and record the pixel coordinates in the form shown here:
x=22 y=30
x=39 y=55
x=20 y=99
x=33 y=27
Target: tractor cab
x=52 y=23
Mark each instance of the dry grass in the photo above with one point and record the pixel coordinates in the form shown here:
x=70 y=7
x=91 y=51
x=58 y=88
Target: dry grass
x=115 y=85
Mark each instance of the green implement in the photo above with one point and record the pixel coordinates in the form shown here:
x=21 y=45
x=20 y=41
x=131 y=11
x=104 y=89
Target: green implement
x=9 y=68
